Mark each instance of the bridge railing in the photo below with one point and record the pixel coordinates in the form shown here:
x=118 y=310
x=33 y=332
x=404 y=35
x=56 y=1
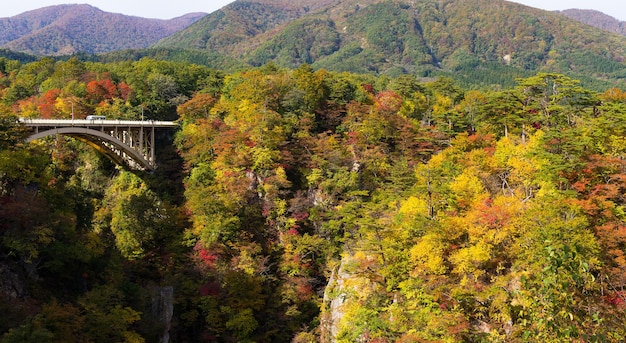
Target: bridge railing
x=98 y=122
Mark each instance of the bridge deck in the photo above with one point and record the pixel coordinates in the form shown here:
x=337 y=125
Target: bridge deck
x=125 y=142
x=95 y=123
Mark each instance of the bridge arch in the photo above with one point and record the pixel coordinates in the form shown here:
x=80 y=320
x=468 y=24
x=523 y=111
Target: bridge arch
x=126 y=142
x=104 y=143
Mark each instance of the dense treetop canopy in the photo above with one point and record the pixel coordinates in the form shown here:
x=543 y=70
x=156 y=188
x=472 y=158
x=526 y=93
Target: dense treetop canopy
x=302 y=204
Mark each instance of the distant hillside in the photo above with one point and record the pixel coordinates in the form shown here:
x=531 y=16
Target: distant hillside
x=68 y=29
x=597 y=19
x=17 y=56
x=200 y=57
x=394 y=37
x=234 y=28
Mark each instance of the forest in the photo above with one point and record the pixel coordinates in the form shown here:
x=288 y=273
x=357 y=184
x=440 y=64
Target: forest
x=306 y=205
x=481 y=43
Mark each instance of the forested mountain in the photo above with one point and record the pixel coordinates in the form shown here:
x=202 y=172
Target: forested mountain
x=480 y=43
x=597 y=19
x=393 y=37
x=364 y=196
x=67 y=29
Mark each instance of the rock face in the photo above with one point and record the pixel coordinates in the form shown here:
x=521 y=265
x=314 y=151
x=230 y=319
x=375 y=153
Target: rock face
x=347 y=284
x=163 y=309
x=336 y=297
x=333 y=301
x=10 y=284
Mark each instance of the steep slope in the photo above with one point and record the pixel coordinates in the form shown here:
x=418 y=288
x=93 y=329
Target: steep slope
x=597 y=19
x=67 y=29
x=232 y=28
x=406 y=36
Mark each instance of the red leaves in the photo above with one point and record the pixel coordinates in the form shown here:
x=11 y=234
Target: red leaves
x=125 y=91
x=101 y=90
x=616 y=299
x=205 y=256
x=613 y=235
x=300 y=216
x=580 y=186
x=47 y=104
x=368 y=88
x=198 y=107
x=388 y=102
x=478 y=140
x=105 y=90
x=492 y=216
x=304 y=290
x=209 y=289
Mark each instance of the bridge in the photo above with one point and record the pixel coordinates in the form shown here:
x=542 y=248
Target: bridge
x=126 y=142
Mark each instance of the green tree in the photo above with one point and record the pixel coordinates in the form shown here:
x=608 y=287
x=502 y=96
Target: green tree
x=138 y=220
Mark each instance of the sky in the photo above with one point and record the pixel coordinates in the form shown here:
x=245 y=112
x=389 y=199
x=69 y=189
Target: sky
x=158 y=9
x=167 y=9
x=614 y=8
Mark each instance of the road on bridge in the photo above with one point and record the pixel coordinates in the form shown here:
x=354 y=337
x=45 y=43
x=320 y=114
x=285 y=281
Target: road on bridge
x=91 y=123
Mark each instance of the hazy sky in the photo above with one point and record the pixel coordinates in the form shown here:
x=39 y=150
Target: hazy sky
x=614 y=8
x=161 y=9
x=167 y=9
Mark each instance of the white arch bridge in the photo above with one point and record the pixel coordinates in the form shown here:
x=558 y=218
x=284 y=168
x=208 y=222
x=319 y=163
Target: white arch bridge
x=127 y=142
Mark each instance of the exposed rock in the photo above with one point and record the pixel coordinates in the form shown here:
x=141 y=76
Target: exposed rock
x=163 y=309
x=10 y=284
x=333 y=300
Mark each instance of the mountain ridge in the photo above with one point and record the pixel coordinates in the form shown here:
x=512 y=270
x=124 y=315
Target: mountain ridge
x=485 y=43
x=68 y=29
x=597 y=19
x=395 y=37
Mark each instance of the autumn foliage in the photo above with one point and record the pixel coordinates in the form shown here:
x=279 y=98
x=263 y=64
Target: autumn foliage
x=307 y=205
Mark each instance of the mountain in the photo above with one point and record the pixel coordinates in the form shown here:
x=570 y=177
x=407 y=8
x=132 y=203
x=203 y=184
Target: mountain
x=406 y=36
x=233 y=29
x=68 y=29
x=597 y=19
